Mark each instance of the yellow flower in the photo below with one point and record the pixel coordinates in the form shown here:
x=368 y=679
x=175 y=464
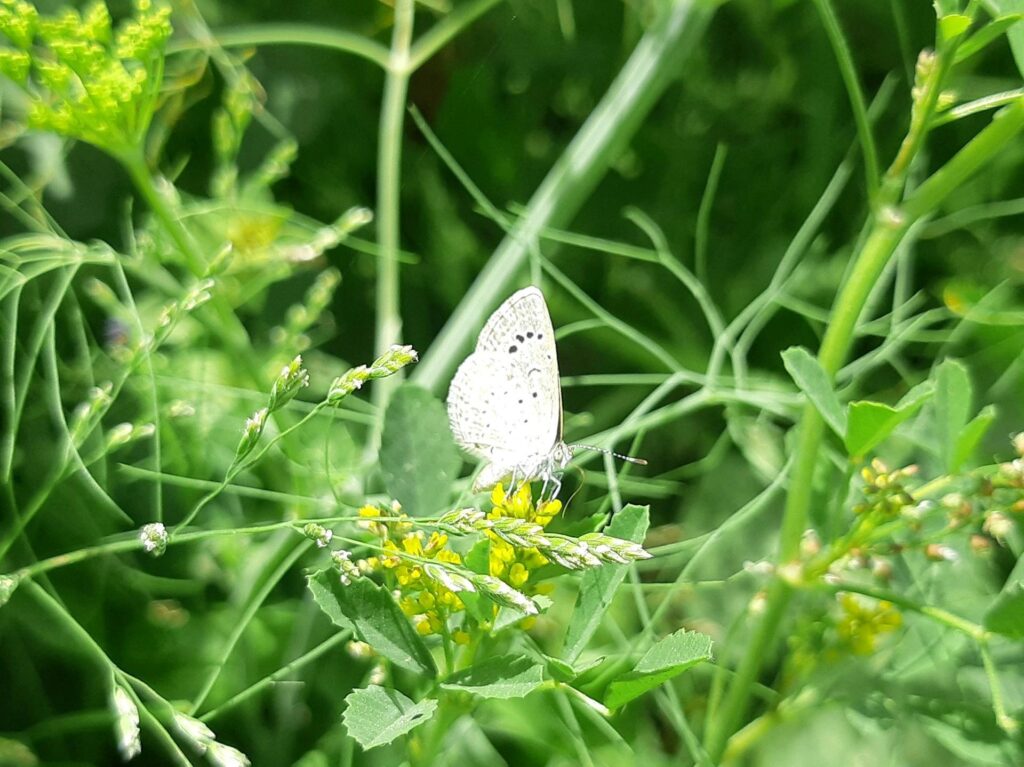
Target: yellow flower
x=512 y=564
x=426 y=601
x=863 y=622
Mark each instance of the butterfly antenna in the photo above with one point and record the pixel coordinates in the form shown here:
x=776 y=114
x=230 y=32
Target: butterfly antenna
x=620 y=456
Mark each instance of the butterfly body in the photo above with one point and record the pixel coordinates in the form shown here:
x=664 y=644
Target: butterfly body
x=505 y=402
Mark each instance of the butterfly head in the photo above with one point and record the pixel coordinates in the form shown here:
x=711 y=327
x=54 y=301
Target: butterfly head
x=561 y=454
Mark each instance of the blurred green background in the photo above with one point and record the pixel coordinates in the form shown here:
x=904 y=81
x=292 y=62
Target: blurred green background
x=762 y=92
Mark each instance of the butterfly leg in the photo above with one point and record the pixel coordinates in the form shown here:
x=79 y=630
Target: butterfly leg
x=510 y=491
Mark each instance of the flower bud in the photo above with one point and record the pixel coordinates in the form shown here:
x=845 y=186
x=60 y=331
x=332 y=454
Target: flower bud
x=998 y=525
x=154 y=538
x=291 y=378
x=126 y=723
x=319 y=534
x=8 y=583
x=393 y=360
x=251 y=433
x=938 y=552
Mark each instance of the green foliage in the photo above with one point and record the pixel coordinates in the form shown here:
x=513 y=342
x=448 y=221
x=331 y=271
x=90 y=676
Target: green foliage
x=418 y=456
x=598 y=587
x=668 y=658
x=375 y=716
x=790 y=222
x=871 y=423
x=814 y=382
x=1006 y=615
x=371 y=612
x=507 y=676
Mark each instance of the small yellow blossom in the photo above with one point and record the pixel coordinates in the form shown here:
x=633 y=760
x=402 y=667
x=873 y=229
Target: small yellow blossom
x=514 y=565
x=864 y=621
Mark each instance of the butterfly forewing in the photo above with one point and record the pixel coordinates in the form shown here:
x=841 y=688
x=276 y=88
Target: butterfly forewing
x=520 y=329
x=505 y=404
x=493 y=410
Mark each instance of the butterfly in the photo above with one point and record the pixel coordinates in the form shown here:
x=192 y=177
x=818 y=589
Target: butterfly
x=505 y=401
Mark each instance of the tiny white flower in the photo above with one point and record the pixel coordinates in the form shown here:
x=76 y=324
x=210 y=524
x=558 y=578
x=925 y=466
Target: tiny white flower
x=226 y=756
x=126 y=723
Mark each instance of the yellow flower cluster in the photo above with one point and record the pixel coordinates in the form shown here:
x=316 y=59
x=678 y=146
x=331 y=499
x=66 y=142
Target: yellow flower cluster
x=89 y=80
x=864 y=621
x=514 y=565
x=425 y=600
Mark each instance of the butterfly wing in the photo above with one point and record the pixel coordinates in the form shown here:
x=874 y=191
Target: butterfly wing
x=520 y=330
x=497 y=410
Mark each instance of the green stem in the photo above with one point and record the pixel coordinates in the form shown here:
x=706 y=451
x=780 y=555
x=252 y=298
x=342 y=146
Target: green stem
x=295 y=665
x=609 y=128
x=850 y=79
x=135 y=164
x=443 y=31
x=389 y=179
x=84 y=641
x=289 y=34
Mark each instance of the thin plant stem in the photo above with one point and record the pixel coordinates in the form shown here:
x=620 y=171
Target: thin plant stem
x=389 y=181
x=636 y=89
x=853 y=89
x=289 y=34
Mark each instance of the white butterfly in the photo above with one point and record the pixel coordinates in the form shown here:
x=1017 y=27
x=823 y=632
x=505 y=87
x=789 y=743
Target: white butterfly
x=505 y=402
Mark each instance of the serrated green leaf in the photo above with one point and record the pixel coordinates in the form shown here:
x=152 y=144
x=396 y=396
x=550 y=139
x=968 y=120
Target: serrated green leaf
x=375 y=716
x=507 y=676
x=816 y=385
x=986 y=36
x=869 y=423
x=953 y=25
x=668 y=658
x=1006 y=615
x=598 y=585
x=418 y=457
x=371 y=612
x=972 y=434
x=952 y=406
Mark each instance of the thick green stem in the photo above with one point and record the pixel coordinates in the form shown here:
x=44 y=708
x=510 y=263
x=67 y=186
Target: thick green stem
x=888 y=231
x=136 y=166
x=612 y=124
x=389 y=180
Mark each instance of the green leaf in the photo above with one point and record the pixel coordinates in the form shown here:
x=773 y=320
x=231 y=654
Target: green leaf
x=953 y=25
x=1015 y=34
x=952 y=406
x=375 y=716
x=972 y=434
x=985 y=36
x=869 y=423
x=1006 y=615
x=370 y=611
x=668 y=658
x=418 y=457
x=597 y=586
x=507 y=676
x=816 y=385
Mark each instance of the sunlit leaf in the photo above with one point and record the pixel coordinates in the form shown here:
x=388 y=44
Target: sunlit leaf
x=375 y=716
x=668 y=658
x=816 y=384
